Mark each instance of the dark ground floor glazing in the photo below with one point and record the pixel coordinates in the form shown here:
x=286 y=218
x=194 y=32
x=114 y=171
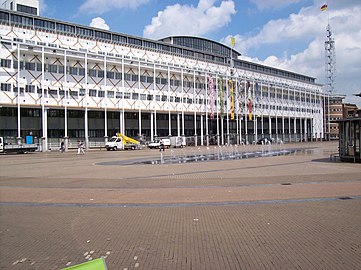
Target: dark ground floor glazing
x=146 y=125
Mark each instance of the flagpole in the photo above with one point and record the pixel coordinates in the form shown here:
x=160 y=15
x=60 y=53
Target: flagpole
x=227 y=82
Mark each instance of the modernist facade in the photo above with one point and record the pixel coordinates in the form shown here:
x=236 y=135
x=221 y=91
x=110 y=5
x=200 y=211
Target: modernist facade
x=62 y=80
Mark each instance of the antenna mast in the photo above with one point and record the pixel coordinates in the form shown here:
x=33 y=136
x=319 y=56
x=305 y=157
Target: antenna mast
x=330 y=61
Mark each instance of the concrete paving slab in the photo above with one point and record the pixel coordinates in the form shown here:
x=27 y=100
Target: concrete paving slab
x=299 y=211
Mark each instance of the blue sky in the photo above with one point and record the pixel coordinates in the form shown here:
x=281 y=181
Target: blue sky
x=288 y=34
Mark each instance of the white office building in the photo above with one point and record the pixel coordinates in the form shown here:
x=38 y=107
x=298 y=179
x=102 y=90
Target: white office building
x=63 y=80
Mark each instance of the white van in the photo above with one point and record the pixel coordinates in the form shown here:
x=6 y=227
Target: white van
x=156 y=143
x=177 y=141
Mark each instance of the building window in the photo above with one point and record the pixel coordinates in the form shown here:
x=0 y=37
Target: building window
x=119 y=39
x=127 y=77
x=101 y=73
x=81 y=71
x=176 y=50
x=21 y=90
x=16 y=19
x=6 y=63
x=29 y=66
x=44 y=24
x=53 y=92
x=92 y=73
x=26 y=9
x=135 y=41
x=73 y=71
x=61 y=69
x=5 y=87
x=82 y=92
x=102 y=35
x=110 y=74
x=118 y=76
x=134 y=77
x=150 y=45
x=30 y=88
x=65 y=28
x=74 y=94
x=15 y=65
x=52 y=68
x=92 y=92
x=84 y=32
x=101 y=93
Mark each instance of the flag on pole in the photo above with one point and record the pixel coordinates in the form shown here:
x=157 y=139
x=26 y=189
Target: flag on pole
x=324 y=7
x=250 y=109
x=97 y=264
x=220 y=85
x=231 y=89
x=233 y=41
x=211 y=94
x=249 y=102
x=256 y=100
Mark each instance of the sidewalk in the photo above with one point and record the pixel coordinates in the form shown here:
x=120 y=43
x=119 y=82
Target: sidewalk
x=286 y=212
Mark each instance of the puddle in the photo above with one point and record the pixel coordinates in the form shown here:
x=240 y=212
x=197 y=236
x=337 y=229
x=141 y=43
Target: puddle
x=217 y=155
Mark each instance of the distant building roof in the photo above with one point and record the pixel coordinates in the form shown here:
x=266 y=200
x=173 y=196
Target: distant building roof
x=202 y=44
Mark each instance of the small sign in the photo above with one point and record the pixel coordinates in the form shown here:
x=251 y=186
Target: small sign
x=29 y=139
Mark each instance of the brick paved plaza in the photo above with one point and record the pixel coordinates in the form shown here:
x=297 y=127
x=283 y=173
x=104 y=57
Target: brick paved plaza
x=297 y=211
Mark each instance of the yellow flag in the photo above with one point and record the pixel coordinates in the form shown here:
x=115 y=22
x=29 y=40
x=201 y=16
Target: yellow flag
x=233 y=41
x=232 y=98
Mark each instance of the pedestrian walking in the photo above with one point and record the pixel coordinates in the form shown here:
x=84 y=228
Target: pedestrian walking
x=62 y=147
x=161 y=145
x=81 y=148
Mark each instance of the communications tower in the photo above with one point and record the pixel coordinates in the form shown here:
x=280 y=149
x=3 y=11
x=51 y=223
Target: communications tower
x=330 y=61
x=330 y=70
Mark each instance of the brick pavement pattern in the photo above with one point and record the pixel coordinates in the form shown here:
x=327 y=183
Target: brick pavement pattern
x=300 y=211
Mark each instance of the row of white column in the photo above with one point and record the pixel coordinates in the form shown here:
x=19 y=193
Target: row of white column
x=153 y=133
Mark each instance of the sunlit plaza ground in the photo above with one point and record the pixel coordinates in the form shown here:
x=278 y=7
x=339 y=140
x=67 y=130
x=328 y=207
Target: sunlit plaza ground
x=298 y=210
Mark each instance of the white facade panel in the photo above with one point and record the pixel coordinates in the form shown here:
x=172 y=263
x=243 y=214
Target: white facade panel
x=92 y=75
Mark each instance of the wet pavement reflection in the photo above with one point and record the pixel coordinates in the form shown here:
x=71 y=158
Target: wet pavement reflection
x=216 y=154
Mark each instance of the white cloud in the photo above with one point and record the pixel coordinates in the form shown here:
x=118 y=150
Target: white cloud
x=310 y=25
x=99 y=23
x=273 y=4
x=43 y=7
x=295 y=27
x=102 y=6
x=190 y=20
